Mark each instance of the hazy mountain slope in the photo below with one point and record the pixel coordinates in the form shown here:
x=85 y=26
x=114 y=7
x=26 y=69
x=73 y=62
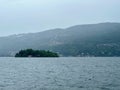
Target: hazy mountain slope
x=82 y=40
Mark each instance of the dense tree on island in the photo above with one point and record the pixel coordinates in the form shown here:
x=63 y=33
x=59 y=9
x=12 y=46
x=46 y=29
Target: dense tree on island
x=36 y=53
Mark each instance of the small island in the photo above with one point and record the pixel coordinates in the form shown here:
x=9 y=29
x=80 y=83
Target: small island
x=36 y=53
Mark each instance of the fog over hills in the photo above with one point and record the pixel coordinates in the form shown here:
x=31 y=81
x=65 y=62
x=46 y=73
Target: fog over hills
x=101 y=39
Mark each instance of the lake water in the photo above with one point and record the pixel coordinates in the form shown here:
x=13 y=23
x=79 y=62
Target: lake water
x=60 y=73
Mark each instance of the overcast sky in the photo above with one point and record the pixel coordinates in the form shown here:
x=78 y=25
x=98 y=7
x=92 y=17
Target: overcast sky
x=24 y=16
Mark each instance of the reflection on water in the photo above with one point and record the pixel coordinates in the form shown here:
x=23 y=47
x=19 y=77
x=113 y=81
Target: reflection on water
x=59 y=73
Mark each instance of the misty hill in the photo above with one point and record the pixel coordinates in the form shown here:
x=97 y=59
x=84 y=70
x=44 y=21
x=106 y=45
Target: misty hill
x=81 y=40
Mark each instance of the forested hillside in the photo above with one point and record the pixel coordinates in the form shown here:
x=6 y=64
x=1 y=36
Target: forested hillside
x=82 y=40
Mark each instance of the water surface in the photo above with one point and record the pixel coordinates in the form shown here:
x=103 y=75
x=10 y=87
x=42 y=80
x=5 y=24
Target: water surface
x=60 y=73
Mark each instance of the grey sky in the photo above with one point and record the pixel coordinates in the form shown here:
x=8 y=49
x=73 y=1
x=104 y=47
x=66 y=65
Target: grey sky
x=23 y=16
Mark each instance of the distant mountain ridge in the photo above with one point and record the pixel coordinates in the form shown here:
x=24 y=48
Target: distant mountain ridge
x=101 y=39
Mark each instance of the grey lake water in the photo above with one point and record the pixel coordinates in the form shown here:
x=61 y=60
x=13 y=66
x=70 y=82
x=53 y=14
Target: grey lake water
x=60 y=73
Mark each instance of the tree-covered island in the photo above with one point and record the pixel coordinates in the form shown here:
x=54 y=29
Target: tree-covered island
x=36 y=53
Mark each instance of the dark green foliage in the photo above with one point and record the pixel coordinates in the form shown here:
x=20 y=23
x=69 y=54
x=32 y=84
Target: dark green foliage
x=36 y=53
